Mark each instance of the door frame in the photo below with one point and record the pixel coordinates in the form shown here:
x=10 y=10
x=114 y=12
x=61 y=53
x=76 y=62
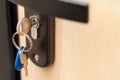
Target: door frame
x=7 y=54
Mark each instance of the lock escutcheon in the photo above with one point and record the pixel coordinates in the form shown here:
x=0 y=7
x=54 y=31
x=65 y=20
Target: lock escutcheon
x=43 y=52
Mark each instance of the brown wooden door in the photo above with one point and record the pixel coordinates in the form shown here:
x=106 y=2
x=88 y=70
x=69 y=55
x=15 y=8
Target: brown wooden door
x=85 y=51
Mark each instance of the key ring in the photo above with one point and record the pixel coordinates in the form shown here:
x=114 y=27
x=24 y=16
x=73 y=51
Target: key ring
x=29 y=39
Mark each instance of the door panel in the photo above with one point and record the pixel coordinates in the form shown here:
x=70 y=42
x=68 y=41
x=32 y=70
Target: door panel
x=85 y=51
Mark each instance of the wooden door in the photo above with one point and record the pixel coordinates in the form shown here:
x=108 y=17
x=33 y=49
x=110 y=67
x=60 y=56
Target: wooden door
x=85 y=51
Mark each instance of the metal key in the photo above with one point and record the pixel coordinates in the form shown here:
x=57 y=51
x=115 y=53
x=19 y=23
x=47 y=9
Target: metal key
x=23 y=25
x=24 y=61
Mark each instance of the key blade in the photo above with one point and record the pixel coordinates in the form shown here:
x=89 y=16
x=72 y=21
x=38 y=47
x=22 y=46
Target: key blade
x=23 y=58
x=26 y=70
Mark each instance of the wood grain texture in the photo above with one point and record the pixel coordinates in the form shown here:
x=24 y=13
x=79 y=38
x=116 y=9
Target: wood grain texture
x=86 y=51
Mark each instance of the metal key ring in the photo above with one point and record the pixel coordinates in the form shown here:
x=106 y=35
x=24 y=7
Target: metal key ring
x=29 y=39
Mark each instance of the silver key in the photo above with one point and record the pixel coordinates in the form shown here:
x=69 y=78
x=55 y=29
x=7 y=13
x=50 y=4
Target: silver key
x=24 y=61
x=34 y=31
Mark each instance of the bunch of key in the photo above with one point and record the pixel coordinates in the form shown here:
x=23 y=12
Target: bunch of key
x=22 y=29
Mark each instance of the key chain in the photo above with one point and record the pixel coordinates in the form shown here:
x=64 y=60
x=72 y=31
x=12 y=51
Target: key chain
x=22 y=54
x=18 y=64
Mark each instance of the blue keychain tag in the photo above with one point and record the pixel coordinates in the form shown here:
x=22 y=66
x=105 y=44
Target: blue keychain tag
x=18 y=64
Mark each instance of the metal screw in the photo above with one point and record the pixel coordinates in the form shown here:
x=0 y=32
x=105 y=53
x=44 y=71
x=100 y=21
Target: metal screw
x=37 y=58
